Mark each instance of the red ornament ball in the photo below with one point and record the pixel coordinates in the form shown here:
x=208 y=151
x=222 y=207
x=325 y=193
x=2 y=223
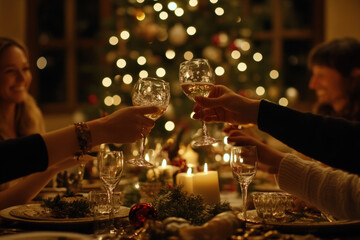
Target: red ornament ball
x=140 y=212
x=92 y=99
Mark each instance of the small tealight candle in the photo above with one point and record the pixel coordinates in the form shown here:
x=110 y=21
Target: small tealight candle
x=206 y=184
x=185 y=179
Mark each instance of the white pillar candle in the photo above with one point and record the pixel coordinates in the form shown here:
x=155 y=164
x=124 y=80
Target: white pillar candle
x=185 y=179
x=206 y=184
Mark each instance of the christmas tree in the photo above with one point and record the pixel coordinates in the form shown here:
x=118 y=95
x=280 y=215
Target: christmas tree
x=151 y=38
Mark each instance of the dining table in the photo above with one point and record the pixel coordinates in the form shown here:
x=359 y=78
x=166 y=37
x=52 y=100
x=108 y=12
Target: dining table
x=16 y=227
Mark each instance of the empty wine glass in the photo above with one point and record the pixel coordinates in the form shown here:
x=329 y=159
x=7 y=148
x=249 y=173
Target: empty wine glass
x=197 y=78
x=243 y=163
x=150 y=92
x=111 y=165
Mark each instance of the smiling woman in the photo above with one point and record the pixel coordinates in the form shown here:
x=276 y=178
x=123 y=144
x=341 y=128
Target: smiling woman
x=20 y=116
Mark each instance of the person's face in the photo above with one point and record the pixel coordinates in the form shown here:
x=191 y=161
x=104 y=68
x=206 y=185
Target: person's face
x=327 y=84
x=15 y=75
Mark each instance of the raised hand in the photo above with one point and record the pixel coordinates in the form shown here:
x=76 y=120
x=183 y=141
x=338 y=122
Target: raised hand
x=130 y=123
x=224 y=105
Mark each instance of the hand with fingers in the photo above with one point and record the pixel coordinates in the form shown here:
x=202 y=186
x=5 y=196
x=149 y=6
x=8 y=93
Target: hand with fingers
x=130 y=123
x=224 y=105
x=266 y=154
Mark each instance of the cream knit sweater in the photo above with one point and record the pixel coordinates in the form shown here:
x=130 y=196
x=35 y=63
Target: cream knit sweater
x=332 y=191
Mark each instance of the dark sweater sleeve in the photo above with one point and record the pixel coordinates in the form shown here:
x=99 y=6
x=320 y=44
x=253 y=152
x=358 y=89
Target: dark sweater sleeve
x=333 y=141
x=22 y=156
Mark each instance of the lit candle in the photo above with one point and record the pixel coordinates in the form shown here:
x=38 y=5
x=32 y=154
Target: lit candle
x=168 y=169
x=185 y=179
x=206 y=184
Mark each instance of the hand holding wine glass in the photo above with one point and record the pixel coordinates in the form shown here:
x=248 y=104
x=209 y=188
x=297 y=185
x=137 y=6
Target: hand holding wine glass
x=243 y=163
x=197 y=78
x=111 y=165
x=150 y=92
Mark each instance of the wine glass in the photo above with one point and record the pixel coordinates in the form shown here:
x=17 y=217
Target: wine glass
x=111 y=165
x=197 y=78
x=243 y=163
x=150 y=92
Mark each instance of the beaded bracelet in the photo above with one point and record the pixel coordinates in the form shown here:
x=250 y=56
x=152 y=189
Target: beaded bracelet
x=83 y=135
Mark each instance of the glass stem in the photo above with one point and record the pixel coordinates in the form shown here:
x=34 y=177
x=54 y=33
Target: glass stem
x=142 y=148
x=204 y=129
x=110 y=193
x=244 y=188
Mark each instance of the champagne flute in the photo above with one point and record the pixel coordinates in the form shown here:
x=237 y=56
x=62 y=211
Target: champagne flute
x=243 y=163
x=150 y=92
x=197 y=78
x=111 y=165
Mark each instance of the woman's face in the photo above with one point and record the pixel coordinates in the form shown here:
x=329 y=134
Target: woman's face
x=15 y=75
x=328 y=85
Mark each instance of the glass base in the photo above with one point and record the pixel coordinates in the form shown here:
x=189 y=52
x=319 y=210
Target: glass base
x=204 y=141
x=140 y=162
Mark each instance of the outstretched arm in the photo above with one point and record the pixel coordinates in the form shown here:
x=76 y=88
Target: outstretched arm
x=36 y=152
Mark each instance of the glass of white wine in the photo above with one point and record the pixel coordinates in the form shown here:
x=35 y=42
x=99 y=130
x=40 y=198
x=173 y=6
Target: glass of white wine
x=197 y=78
x=150 y=92
x=243 y=163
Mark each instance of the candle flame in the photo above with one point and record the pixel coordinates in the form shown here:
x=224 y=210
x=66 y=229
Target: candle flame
x=241 y=160
x=205 y=168
x=147 y=157
x=189 y=171
x=226 y=157
x=164 y=163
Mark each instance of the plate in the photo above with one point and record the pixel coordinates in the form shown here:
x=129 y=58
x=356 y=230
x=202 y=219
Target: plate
x=47 y=235
x=37 y=222
x=304 y=227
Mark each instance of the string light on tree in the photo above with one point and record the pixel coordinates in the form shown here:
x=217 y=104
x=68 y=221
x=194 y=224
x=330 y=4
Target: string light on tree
x=141 y=60
x=235 y=54
x=283 y=102
x=257 y=57
x=179 y=12
x=108 y=101
x=143 y=74
x=127 y=79
x=219 y=11
x=219 y=71
x=172 y=6
x=116 y=100
x=121 y=63
x=242 y=67
x=160 y=72
x=260 y=91
x=106 y=82
x=274 y=74
x=124 y=35
x=193 y=3
x=170 y=54
x=158 y=7
x=169 y=126
x=113 y=40
x=163 y=15
x=191 y=30
x=188 y=55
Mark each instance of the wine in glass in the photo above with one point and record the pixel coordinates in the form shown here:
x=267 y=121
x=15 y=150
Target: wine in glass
x=243 y=163
x=150 y=92
x=197 y=78
x=111 y=165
